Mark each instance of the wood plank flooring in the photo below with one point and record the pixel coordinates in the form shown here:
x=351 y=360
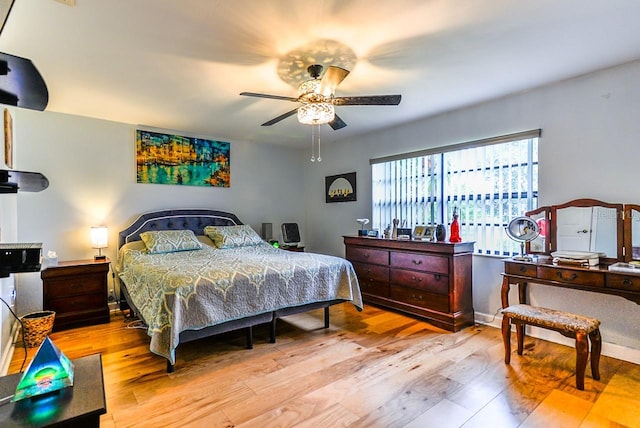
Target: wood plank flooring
x=369 y=369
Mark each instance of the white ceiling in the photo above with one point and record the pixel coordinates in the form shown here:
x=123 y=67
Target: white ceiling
x=180 y=65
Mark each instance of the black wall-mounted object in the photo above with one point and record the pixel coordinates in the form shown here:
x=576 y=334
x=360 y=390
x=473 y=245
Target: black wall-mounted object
x=16 y=258
x=12 y=181
x=21 y=84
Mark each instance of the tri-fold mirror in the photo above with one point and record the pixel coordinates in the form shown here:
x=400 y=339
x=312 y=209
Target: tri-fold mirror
x=610 y=229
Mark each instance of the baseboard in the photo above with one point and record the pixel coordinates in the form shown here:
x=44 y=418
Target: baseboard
x=9 y=349
x=609 y=349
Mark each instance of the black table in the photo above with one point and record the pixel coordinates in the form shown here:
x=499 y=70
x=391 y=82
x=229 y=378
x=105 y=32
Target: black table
x=77 y=406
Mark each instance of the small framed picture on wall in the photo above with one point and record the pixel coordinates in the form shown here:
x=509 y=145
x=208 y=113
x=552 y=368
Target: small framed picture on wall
x=341 y=187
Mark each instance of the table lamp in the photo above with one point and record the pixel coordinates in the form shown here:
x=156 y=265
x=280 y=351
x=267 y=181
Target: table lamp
x=99 y=240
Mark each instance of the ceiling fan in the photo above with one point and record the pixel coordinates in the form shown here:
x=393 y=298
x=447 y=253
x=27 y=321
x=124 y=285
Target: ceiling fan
x=317 y=98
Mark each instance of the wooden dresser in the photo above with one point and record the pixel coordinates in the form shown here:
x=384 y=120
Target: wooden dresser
x=432 y=280
x=77 y=292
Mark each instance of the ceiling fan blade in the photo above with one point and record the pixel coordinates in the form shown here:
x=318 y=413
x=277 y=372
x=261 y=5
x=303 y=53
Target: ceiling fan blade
x=274 y=97
x=337 y=123
x=331 y=79
x=281 y=117
x=378 y=100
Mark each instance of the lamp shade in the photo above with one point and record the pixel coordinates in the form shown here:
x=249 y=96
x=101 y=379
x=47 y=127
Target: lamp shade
x=99 y=237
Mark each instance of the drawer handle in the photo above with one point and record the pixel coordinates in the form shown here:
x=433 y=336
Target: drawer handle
x=522 y=269
x=627 y=281
x=417 y=262
x=571 y=277
x=416 y=279
x=365 y=255
x=74 y=286
x=368 y=270
x=417 y=298
x=437 y=277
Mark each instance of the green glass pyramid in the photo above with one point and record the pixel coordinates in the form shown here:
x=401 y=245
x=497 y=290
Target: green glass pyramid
x=49 y=371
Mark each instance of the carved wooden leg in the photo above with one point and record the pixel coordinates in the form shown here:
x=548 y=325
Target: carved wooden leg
x=520 y=337
x=504 y=292
x=596 y=348
x=506 y=338
x=582 y=353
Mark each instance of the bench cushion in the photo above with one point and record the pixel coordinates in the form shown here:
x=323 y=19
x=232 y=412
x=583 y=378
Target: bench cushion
x=551 y=319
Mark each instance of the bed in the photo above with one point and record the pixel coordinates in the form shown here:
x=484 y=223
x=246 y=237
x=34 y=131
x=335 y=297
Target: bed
x=193 y=273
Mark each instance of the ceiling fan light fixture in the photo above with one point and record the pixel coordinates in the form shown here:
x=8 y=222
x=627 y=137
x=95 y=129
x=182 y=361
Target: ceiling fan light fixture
x=316 y=113
x=309 y=87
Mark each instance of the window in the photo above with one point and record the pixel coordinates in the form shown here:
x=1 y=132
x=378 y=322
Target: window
x=489 y=181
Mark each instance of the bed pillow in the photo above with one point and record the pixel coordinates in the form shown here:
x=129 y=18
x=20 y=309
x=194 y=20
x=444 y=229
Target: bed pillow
x=233 y=236
x=169 y=241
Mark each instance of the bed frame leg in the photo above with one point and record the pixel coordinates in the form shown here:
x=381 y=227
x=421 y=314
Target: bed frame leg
x=170 y=367
x=272 y=332
x=326 y=317
x=249 y=331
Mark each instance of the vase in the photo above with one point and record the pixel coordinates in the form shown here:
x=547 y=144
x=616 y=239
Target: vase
x=455 y=228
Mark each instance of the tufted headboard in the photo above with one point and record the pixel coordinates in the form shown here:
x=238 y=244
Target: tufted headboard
x=193 y=219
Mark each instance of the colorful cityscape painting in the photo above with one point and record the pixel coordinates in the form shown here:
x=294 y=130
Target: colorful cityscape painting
x=174 y=159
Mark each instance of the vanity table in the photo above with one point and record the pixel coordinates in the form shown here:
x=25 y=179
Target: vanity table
x=613 y=230
x=598 y=279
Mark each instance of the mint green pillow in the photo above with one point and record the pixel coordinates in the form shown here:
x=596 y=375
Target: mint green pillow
x=169 y=241
x=233 y=236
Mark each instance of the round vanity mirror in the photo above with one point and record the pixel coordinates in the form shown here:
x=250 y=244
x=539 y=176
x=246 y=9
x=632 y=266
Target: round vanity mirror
x=522 y=230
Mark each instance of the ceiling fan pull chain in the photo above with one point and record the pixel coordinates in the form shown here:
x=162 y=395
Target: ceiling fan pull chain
x=313 y=156
x=319 y=157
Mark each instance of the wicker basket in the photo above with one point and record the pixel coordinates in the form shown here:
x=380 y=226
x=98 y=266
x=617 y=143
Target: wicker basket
x=37 y=326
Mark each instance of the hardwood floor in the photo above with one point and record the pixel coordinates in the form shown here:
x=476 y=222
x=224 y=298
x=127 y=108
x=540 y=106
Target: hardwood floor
x=370 y=369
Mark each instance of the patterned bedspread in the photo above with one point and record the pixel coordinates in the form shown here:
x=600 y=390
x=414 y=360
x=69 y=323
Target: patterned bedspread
x=190 y=290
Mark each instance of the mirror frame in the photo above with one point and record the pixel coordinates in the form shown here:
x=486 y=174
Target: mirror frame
x=628 y=234
x=547 y=213
x=592 y=203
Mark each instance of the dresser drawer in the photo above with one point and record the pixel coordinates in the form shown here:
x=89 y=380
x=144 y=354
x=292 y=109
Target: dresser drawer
x=368 y=272
x=578 y=277
x=623 y=282
x=433 y=283
x=422 y=262
x=423 y=299
x=80 y=303
x=74 y=285
x=375 y=288
x=521 y=269
x=367 y=255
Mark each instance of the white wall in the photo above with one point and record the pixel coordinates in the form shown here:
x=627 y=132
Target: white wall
x=91 y=168
x=589 y=148
x=8 y=233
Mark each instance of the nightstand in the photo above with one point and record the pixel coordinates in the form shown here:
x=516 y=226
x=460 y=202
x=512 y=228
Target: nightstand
x=293 y=248
x=77 y=291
